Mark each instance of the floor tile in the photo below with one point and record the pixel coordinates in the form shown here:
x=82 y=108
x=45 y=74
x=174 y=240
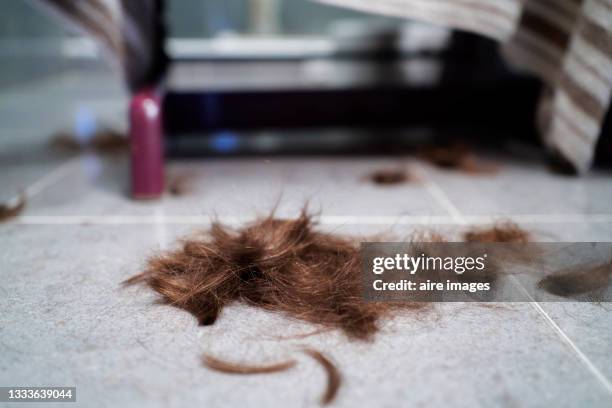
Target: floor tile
x=525 y=187
x=240 y=187
x=64 y=306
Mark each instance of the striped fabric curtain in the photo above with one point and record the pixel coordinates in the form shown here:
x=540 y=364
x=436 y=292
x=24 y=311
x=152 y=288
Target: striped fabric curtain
x=567 y=43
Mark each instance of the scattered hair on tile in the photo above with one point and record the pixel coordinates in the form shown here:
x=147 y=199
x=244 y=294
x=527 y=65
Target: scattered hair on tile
x=503 y=232
x=390 y=177
x=179 y=185
x=334 y=379
x=13 y=208
x=110 y=141
x=227 y=367
x=103 y=141
x=284 y=266
x=506 y=232
x=578 y=280
x=455 y=157
x=489 y=274
x=471 y=165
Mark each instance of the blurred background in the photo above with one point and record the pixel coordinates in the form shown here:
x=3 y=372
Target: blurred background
x=27 y=35
x=243 y=70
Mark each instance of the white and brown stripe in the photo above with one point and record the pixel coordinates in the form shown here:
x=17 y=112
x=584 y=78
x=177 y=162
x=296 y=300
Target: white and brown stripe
x=584 y=85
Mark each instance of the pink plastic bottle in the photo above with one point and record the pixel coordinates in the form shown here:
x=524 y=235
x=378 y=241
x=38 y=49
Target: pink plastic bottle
x=146 y=140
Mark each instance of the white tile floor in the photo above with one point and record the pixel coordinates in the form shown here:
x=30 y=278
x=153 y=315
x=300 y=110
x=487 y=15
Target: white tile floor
x=65 y=319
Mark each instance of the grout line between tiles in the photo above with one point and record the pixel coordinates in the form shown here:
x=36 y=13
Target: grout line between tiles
x=51 y=178
x=160 y=228
x=322 y=220
x=585 y=360
x=439 y=195
x=48 y=179
x=581 y=356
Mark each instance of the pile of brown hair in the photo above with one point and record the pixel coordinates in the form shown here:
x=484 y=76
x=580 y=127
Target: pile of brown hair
x=278 y=265
x=283 y=266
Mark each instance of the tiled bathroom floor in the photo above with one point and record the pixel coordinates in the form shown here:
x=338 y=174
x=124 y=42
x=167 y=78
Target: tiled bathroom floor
x=66 y=320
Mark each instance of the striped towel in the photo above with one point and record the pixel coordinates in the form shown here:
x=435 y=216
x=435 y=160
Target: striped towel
x=567 y=43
